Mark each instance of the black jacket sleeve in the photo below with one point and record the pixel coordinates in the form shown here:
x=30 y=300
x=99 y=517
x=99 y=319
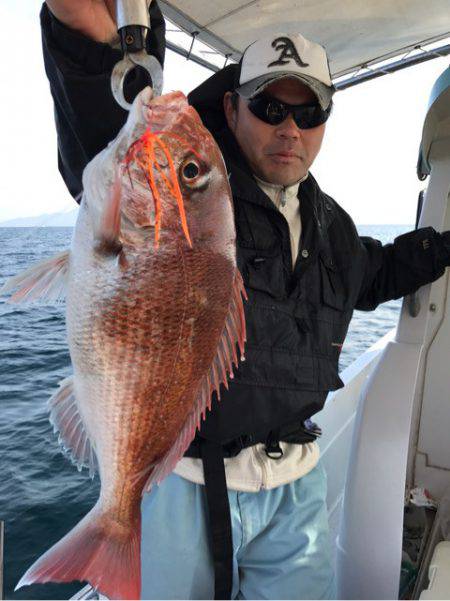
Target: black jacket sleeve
x=395 y=270
x=79 y=71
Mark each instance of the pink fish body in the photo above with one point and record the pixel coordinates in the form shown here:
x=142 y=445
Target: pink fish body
x=154 y=315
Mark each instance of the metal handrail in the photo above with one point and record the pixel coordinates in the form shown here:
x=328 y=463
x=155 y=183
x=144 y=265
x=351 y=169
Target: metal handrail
x=360 y=74
x=385 y=69
x=88 y=592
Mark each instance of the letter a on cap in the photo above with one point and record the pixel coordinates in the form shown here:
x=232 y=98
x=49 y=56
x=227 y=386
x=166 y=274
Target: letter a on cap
x=288 y=52
x=285 y=55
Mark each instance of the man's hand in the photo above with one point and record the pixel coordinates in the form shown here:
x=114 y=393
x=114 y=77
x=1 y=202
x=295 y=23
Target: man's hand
x=95 y=19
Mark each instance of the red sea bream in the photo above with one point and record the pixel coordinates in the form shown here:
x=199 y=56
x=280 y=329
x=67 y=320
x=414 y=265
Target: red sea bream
x=154 y=322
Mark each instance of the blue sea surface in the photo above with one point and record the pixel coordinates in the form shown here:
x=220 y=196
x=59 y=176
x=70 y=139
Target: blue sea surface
x=42 y=496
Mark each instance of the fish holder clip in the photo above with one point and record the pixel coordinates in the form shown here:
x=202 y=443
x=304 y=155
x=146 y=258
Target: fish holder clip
x=133 y=26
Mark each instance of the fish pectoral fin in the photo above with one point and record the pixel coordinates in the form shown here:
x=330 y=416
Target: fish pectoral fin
x=68 y=423
x=221 y=369
x=43 y=282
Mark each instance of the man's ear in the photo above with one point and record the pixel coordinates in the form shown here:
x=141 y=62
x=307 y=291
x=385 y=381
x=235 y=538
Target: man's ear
x=230 y=111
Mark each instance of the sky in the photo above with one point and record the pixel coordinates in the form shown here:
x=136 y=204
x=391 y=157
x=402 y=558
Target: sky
x=367 y=162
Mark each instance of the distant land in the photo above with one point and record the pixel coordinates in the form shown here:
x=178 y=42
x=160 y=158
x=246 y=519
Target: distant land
x=68 y=219
x=65 y=219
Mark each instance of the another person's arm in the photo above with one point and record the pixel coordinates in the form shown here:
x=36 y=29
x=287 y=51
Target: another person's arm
x=78 y=61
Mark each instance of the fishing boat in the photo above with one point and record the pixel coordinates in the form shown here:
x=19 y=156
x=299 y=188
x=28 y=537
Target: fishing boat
x=386 y=445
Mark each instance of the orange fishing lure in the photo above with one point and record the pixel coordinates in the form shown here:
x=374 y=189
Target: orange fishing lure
x=143 y=152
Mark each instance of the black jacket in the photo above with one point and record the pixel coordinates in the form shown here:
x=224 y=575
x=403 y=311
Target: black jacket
x=297 y=319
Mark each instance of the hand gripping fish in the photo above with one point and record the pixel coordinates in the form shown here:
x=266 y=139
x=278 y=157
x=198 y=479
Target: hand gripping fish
x=155 y=322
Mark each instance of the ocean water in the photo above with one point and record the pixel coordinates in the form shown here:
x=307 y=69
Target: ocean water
x=42 y=496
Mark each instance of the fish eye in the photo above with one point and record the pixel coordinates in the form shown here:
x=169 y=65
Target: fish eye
x=194 y=174
x=190 y=170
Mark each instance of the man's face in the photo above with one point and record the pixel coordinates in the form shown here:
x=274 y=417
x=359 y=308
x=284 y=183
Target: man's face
x=278 y=154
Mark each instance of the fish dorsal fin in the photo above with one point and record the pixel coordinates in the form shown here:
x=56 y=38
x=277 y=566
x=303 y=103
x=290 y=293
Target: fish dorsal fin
x=221 y=369
x=44 y=282
x=68 y=423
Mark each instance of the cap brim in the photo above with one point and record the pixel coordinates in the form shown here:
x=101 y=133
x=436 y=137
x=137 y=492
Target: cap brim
x=255 y=86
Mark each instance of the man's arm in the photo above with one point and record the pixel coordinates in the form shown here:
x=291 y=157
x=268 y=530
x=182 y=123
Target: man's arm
x=79 y=71
x=93 y=18
x=395 y=270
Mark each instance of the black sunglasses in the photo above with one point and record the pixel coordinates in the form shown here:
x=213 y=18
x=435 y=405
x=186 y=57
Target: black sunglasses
x=274 y=111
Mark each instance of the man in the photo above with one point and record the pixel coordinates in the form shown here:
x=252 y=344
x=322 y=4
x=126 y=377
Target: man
x=305 y=270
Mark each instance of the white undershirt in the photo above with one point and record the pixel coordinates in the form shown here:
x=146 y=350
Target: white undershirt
x=285 y=198
x=252 y=470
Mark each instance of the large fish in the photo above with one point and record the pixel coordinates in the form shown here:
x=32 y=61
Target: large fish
x=154 y=320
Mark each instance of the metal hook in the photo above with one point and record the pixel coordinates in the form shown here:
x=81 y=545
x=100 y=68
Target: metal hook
x=127 y=64
x=133 y=24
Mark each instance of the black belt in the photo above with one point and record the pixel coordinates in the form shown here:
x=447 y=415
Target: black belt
x=219 y=518
x=301 y=433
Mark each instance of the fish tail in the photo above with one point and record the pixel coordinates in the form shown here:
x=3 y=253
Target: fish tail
x=98 y=550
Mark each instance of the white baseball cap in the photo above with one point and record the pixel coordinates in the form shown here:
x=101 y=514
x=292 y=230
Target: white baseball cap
x=285 y=55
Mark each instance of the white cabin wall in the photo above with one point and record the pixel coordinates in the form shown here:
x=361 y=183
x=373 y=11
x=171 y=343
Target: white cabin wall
x=397 y=436
x=432 y=460
x=434 y=316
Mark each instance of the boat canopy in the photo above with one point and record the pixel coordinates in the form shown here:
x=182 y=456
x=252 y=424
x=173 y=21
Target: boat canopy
x=355 y=33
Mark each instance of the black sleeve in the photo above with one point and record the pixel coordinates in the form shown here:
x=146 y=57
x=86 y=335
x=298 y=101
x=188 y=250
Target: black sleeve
x=79 y=71
x=395 y=270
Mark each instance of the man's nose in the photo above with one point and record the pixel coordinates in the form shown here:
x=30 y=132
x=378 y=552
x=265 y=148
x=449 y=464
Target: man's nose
x=288 y=128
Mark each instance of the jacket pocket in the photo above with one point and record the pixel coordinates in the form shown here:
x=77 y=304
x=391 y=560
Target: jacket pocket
x=333 y=291
x=263 y=271
x=279 y=368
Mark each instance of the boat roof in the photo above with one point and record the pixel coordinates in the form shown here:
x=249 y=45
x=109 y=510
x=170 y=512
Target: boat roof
x=355 y=33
